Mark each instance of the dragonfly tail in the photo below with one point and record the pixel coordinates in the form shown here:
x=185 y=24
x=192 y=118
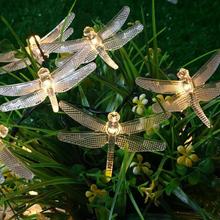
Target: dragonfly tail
x=110 y=160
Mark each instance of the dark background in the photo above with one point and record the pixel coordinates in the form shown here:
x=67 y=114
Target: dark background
x=192 y=27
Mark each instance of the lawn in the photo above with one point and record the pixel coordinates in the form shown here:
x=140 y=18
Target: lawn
x=181 y=182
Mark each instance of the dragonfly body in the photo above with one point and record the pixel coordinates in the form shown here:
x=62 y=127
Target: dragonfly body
x=99 y=43
x=34 y=47
x=189 y=91
x=47 y=85
x=112 y=133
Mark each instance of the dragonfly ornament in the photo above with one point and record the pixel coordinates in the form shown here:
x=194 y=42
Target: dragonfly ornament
x=189 y=91
x=112 y=133
x=60 y=32
x=10 y=160
x=47 y=85
x=99 y=43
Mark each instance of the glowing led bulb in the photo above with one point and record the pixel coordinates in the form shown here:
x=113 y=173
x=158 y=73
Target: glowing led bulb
x=111 y=132
x=189 y=91
x=3 y=131
x=109 y=38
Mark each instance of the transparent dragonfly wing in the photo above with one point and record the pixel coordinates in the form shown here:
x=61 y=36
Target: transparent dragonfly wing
x=199 y=111
x=49 y=48
x=71 y=64
x=138 y=144
x=2 y=178
x=74 y=78
x=83 y=118
x=56 y=32
x=107 y=59
x=61 y=61
x=69 y=46
x=115 y=24
x=208 y=92
x=67 y=34
x=121 y=38
x=141 y=124
x=26 y=101
x=88 y=140
x=17 y=65
x=207 y=70
x=8 y=57
x=92 y=54
x=160 y=86
x=14 y=164
x=177 y=103
x=20 y=89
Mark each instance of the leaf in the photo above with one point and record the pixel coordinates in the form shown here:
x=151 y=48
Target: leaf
x=172 y=185
x=179 y=193
x=206 y=166
x=194 y=177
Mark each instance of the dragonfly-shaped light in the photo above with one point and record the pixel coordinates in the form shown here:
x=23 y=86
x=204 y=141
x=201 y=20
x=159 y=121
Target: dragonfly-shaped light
x=112 y=132
x=10 y=160
x=33 y=49
x=107 y=39
x=47 y=85
x=189 y=91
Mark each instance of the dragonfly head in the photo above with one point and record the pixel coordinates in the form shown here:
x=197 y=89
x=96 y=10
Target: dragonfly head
x=89 y=32
x=113 y=117
x=183 y=74
x=3 y=131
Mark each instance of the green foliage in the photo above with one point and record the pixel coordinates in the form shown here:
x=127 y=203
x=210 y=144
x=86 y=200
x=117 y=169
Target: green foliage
x=64 y=173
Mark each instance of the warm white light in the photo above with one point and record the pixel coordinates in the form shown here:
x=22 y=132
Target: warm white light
x=33 y=193
x=34 y=209
x=26 y=149
x=187 y=87
x=32 y=40
x=3 y=131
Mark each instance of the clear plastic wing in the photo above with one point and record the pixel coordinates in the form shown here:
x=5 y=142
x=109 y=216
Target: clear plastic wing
x=160 y=86
x=69 y=46
x=61 y=61
x=17 y=65
x=138 y=144
x=49 y=48
x=67 y=34
x=199 y=111
x=82 y=117
x=121 y=38
x=141 y=124
x=207 y=70
x=107 y=59
x=20 y=88
x=88 y=140
x=74 y=78
x=115 y=24
x=56 y=32
x=8 y=57
x=2 y=178
x=208 y=92
x=92 y=54
x=176 y=103
x=24 y=101
x=71 y=64
x=14 y=164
